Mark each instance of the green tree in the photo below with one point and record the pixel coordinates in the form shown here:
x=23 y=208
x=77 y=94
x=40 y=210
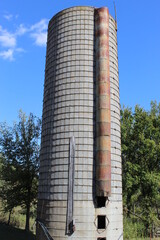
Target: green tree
x=20 y=152
x=141 y=161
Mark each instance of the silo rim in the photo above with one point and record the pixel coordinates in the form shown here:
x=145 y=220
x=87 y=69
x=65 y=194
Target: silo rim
x=91 y=7
x=71 y=8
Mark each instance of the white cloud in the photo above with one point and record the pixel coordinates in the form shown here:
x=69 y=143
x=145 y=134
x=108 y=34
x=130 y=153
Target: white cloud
x=8 y=16
x=20 y=50
x=40 y=38
x=40 y=26
x=21 y=30
x=8 y=54
x=7 y=39
x=39 y=32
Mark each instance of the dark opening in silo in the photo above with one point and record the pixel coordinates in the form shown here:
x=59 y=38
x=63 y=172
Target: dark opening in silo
x=101 y=202
x=101 y=222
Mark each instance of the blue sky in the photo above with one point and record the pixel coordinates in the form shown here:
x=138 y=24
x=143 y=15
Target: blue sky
x=23 y=27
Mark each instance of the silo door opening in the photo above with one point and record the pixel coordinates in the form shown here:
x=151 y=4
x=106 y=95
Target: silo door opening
x=101 y=238
x=101 y=202
x=101 y=222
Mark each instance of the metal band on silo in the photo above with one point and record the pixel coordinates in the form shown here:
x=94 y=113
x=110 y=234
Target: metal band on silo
x=103 y=115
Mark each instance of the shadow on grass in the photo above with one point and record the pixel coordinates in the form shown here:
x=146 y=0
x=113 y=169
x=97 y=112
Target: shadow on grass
x=12 y=233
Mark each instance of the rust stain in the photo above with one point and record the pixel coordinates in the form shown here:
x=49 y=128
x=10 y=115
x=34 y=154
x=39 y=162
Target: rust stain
x=103 y=143
x=103 y=125
x=104 y=185
x=103 y=88
x=101 y=31
x=104 y=129
x=102 y=10
x=102 y=53
x=102 y=41
x=102 y=64
x=102 y=77
x=103 y=157
x=103 y=116
x=103 y=172
x=104 y=101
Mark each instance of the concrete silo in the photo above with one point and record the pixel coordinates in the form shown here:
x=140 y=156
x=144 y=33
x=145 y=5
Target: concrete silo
x=80 y=183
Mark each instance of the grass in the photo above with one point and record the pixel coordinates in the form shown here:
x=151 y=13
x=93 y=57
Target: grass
x=12 y=233
x=17 y=218
x=9 y=232
x=16 y=229
x=143 y=238
x=132 y=230
x=135 y=230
